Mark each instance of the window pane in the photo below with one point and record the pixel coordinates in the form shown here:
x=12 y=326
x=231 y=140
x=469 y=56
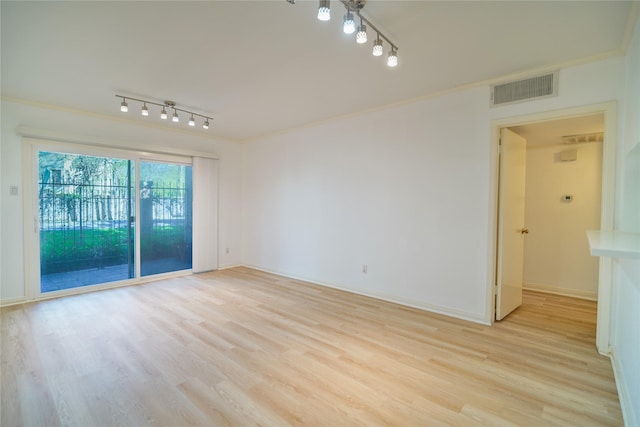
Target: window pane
x=86 y=220
x=165 y=217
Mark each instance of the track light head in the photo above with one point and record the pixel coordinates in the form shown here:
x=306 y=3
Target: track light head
x=163 y=114
x=361 y=36
x=377 y=47
x=123 y=106
x=192 y=121
x=144 y=111
x=175 y=117
x=324 y=11
x=392 y=59
x=348 y=25
x=205 y=125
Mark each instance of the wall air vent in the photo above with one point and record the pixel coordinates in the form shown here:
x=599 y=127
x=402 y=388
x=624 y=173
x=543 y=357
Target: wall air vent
x=523 y=90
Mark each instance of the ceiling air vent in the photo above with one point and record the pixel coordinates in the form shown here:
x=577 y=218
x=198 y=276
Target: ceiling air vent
x=585 y=137
x=522 y=90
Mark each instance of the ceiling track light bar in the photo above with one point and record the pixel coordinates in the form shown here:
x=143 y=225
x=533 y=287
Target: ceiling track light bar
x=163 y=114
x=356 y=7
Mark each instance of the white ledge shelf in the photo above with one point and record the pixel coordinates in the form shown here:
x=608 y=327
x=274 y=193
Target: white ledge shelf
x=614 y=244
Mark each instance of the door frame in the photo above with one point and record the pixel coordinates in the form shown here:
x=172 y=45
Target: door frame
x=609 y=149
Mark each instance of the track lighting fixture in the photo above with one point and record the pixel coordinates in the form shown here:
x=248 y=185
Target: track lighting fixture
x=354 y=7
x=361 y=36
x=392 y=59
x=377 y=47
x=324 y=10
x=163 y=113
x=348 y=25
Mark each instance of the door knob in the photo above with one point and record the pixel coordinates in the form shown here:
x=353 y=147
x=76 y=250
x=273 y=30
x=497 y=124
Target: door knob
x=524 y=231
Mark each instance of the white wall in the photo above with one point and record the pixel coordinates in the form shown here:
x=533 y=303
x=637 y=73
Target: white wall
x=404 y=190
x=625 y=321
x=118 y=132
x=376 y=190
x=556 y=251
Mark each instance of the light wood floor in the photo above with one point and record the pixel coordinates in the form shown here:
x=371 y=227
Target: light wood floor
x=241 y=347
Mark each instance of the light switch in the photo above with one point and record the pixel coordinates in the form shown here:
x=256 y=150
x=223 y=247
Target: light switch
x=13 y=190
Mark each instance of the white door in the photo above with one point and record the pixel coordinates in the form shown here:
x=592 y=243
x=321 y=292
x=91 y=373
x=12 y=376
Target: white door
x=511 y=229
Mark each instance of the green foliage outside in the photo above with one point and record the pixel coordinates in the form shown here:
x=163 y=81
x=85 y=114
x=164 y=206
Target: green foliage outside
x=165 y=242
x=86 y=202
x=68 y=250
x=71 y=250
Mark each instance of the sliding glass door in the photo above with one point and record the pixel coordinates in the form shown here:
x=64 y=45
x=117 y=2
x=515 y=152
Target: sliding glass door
x=165 y=217
x=86 y=212
x=90 y=231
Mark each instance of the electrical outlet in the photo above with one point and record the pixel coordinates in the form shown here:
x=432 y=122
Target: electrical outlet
x=364 y=268
x=227 y=250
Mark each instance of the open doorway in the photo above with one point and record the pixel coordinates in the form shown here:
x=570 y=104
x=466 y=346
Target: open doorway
x=586 y=133
x=562 y=200
x=558 y=167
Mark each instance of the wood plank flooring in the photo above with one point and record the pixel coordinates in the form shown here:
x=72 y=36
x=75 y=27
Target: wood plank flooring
x=242 y=347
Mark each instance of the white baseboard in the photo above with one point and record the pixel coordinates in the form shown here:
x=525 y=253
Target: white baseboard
x=472 y=317
x=626 y=404
x=458 y=314
x=555 y=290
x=12 y=301
x=226 y=267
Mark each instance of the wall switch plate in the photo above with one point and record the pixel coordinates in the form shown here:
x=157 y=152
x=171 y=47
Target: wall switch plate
x=13 y=190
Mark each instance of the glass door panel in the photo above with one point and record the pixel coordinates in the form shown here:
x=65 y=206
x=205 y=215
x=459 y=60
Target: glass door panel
x=86 y=212
x=165 y=217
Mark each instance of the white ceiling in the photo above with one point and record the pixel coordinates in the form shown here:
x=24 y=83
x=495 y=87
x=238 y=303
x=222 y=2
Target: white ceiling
x=263 y=66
